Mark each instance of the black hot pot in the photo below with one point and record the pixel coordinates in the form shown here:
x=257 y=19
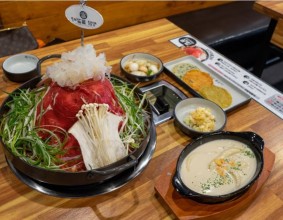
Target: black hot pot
x=57 y=177
x=252 y=140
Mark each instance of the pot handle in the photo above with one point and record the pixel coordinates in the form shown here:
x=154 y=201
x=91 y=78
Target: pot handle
x=255 y=139
x=38 y=66
x=180 y=187
x=118 y=169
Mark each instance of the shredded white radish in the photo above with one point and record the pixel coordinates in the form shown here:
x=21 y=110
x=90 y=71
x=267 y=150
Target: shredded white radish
x=77 y=66
x=97 y=132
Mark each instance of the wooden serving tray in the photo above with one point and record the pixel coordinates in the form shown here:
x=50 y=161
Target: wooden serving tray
x=185 y=208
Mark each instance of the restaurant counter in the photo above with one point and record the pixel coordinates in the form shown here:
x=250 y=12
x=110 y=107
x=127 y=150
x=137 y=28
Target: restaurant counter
x=138 y=199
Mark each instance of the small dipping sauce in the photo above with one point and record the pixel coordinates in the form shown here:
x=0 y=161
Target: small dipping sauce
x=218 y=167
x=21 y=67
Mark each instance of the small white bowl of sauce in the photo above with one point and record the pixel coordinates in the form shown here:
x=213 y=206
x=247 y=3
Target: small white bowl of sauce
x=20 y=67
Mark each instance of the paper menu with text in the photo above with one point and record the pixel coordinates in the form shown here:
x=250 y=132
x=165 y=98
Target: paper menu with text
x=260 y=91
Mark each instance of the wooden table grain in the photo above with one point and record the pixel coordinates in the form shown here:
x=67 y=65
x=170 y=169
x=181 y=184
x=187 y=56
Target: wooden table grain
x=138 y=199
x=274 y=34
x=274 y=10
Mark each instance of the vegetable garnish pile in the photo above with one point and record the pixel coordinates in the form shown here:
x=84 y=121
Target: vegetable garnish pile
x=82 y=120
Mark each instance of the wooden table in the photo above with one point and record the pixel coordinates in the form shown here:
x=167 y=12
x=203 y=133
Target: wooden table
x=274 y=34
x=138 y=199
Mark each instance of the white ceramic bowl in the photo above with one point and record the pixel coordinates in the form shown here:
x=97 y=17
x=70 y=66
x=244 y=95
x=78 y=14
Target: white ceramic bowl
x=188 y=105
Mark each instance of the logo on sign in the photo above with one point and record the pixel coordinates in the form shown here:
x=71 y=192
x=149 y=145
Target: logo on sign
x=187 y=41
x=83 y=15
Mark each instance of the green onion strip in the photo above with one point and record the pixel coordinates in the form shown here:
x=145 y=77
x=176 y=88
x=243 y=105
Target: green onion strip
x=21 y=135
x=135 y=130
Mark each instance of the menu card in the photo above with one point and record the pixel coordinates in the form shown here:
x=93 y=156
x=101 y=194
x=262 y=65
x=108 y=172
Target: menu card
x=260 y=91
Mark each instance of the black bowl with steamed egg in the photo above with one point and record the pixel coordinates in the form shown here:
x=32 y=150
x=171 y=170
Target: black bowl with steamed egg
x=192 y=182
x=141 y=67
